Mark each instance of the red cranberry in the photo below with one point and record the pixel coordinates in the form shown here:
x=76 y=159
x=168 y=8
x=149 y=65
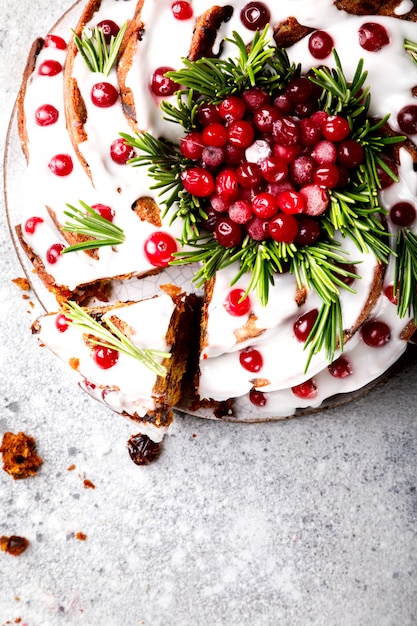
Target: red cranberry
x=320 y=44
x=104 y=357
x=249 y=175
x=310 y=132
x=233 y=155
x=283 y=228
x=109 y=29
x=264 y=118
x=257 y=229
x=46 y=115
x=385 y=180
x=53 y=253
x=159 y=248
x=182 y=10
x=104 y=95
x=50 y=68
x=255 y=97
x=302 y=170
x=283 y=104
x=53 y=41
x=375 y=333
x=104 y=211
x=227 y=185
x=274 y=169
x=389 y=293
x=255 y=15
x=31 y=224
x=208 y=114
x=161 y=85
x=340 y=368
x=258 y=398
x=61 y=165
x=335 y=128
x=308 y=231
x=327 y=176
x=197 y=181
x=350 y=153
x=232 y=108
x=191 y=146
x=236 y=303
x=407 y=119
x=290 y=202
x=251 y=360
x=121 y=152
x=304 y=324
x=372 y=36
x=240 y=133
x=214 y=135
x=402 y=214
x=264 y=205
x=285 y=131
x=227 y=233
x=61 y=322
x=288 y=154
x=306 y=390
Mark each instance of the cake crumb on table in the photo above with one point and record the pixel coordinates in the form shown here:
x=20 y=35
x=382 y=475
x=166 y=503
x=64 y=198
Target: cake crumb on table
x=20 y=458
x=13 y=545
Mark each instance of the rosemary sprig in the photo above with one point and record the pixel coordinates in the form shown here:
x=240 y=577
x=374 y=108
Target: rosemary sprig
x=112 y=337
x=89 y=223
x=405 y=273
x=327 y=332
x=99 y=55
x=411 y=48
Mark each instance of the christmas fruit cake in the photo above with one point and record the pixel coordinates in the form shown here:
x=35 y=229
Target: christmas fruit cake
x=261 y=158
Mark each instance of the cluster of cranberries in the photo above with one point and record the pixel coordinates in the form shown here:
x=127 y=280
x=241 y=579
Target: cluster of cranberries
x=265 y=164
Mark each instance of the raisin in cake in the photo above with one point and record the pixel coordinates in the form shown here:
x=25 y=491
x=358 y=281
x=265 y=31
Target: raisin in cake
x=278 y=172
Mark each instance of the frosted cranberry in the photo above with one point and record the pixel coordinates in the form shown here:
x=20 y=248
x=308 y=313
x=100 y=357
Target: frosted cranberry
x=350 y=153
x=304 y=324
x=251 y=360
x=214 y=135
x=46 y=115
x=310 y=132
x=182 y=10
x=227 y=185
x=255 y=15
x=372 y=36
x=240 y=133
x=264 y=205
x=212 y=156
x=61 y=323
x=61 y=165
x=233 y=155
x=258 y=398
x=159 y=248
x=104 y=95
x=290 y=202
x=299 y=89
x=121 y=152
x=161 y=85
x=335 y=128
x=53 y=41
x=218 y=203
x=255 y=97
x=227 y=233
x=283 y=228
x=402 y=214
x=50 y=68
x=105 y=358
x=375 y=333
x=197 y=181
x=236 y=303
x=232 y=108
x=320 y=44
x=308 y=231
x=257 y=229
x=316 y=199
x=208 y=114
x=274 y=169
x=258 y=151
x=285 y=131
x=109 y=29
x=240 y=211
x=306 y=390
x=53 y=253
x=324 y=152
x=104 y=211
x=384 y=178
x=327 y=176
x=340 y=368
x=390 y=294
x=302 y=170
x=31 y=224
x=249 y=175
x=191 y=146
x=286 y=153
x=264 y=118
x=283 y=104
x=407 y=119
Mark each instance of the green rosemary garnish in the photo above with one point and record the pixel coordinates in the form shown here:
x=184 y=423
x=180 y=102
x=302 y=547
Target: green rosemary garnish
x=112 y=337
x=89 y=223
x=405 y=275
x=99 y=55
x=411 y=48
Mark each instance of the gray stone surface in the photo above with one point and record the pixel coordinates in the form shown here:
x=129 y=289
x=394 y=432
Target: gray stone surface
x=305 y=522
